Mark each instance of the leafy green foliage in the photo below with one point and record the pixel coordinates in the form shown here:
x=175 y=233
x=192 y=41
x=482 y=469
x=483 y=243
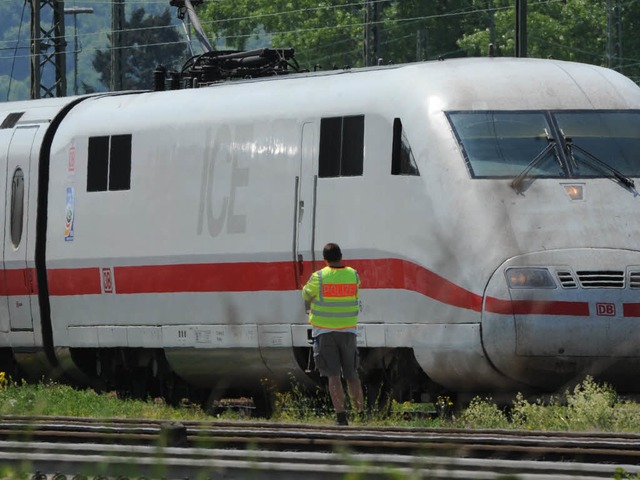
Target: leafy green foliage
x=329 y=33
x=590 y=406
x=622 y=474
x=148 y=44
x=321 y=32
x=482 y=413
x=573 y=30
x=300 y=404
x=538 y=415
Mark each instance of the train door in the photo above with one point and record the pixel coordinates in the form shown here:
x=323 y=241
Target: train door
x=305 y=211
x=19 y=278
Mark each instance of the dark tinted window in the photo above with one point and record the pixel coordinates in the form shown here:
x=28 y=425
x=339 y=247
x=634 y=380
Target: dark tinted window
x=402 y=160
x=120 y=164
x=330 y=147
x=98 y=167
x=352 y=146
x=109 y=165
x=341 y=146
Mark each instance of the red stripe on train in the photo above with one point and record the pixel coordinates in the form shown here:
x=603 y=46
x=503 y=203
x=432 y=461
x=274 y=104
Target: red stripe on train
x=18 y=282
x=74 y=281
x=536 y=307
x=214 y=277
x=631 y=309
x=278 y=276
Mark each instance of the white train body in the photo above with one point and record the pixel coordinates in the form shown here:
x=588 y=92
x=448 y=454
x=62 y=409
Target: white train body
x=182 y=224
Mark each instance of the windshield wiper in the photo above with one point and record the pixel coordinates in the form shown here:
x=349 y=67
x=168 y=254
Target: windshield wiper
x=518 y=183
x=594 y=162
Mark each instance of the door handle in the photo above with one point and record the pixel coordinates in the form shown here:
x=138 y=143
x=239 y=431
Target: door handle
x=300 y=264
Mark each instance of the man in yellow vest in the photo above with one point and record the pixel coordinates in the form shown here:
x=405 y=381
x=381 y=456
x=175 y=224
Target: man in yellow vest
x=331 y=298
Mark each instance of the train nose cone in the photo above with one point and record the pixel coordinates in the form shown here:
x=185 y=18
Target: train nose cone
x=550 y=318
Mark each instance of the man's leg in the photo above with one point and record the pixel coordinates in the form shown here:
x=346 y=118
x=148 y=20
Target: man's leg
x=337 y=393
x=355 y=392
x=337 y=398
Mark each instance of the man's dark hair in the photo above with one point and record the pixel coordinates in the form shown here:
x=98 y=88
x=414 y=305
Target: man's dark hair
x=331 y=252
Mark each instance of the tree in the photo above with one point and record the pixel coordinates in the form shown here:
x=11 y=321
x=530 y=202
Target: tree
x=415 y=30
x=332 y=33
x=328 y=33
x=149 y=40
x=574 y=30
x=323 y=32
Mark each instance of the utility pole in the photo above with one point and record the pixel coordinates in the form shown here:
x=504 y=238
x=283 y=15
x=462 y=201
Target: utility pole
x=521 y=28
x=47 y=48
x=75 y=11
x=117 y=53
x=614 y=35
x=371 y=32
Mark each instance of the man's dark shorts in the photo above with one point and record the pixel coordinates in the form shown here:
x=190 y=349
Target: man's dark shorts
x=336 y=352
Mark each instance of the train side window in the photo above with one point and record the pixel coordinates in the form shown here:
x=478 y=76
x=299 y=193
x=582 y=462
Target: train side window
x=17 y=206
x=120 y=165
x=98 y=167
x=11 y=120
x=402 y=159
x=341 y=146
x=109 y=164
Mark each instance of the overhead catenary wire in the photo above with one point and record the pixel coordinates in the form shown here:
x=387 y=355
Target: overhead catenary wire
x=305 y=10
x=390 y=23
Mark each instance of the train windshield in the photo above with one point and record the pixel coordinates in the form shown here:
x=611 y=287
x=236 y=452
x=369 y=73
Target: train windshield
x=612 y=138
x=503 y=144
x=549 y=144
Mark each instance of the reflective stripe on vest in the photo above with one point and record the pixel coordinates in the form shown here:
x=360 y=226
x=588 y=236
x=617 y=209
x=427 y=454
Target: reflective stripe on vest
x=336 y=306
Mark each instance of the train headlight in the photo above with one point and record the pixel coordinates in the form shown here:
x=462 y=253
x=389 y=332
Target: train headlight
x=527 y=277
x=575 y=191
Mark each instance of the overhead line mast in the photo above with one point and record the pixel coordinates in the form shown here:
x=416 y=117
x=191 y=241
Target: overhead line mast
x=116 y=82
x=47 y=49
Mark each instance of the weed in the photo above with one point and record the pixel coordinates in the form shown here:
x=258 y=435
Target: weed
x=622 y=474
x=482 y=413
x=538 y=415
x=590 y=406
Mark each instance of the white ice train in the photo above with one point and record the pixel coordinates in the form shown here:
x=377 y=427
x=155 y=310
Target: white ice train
x=488 y=204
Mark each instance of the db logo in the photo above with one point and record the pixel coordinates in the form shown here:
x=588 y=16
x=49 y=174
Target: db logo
x=107 y=280
x=606 y=309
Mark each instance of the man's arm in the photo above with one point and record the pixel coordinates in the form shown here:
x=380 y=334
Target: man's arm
x=310 y=291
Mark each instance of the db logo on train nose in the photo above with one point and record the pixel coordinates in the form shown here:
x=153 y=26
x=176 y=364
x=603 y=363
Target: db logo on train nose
x=606 y=309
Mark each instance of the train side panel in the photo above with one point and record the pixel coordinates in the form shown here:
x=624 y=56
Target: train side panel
x=24 y=125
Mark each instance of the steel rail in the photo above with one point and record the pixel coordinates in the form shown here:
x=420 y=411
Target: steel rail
x=97 y=461
x=591 y=447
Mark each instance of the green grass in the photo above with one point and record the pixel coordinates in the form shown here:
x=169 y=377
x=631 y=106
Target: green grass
x=587 y=407
x=53 y=399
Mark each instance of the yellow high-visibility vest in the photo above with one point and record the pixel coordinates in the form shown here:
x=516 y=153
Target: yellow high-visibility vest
x=333 y=293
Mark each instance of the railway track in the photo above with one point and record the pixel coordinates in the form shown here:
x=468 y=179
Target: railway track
x=94 y=448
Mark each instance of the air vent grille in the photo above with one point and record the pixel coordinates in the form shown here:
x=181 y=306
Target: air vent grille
x=601 y=279
x=634 y=279
x=566 y=279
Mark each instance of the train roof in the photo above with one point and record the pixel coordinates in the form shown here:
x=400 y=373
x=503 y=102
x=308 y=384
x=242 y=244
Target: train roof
x=482 y=83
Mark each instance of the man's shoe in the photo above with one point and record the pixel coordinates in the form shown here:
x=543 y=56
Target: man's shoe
x=341 y=418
